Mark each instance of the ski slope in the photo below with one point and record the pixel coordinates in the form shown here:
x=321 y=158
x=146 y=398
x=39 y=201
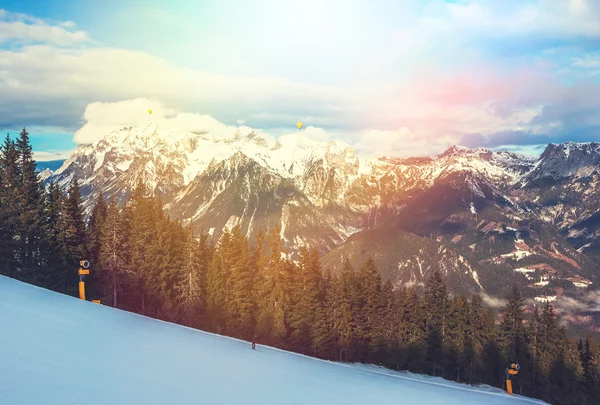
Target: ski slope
x=57 y=350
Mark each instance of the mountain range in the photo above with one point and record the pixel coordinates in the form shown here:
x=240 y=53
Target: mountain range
x=486 y=219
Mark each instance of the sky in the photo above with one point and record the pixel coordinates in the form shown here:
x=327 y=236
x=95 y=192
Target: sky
x=389 y=77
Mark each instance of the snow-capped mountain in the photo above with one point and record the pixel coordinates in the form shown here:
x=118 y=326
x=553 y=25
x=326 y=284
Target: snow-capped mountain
x=46 y=173
x=485 y=215
x=567 y=160
x=563 y=190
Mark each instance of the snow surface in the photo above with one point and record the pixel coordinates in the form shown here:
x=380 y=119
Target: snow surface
x=57 y=350
x=472 y=209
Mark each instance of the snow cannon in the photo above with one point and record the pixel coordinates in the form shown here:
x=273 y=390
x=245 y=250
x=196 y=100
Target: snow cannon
x=84 y=267
x=510 y=371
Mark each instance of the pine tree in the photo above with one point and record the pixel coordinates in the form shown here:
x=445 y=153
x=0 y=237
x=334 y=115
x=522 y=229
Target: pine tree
x=512 y=327
x=242 y=281
x=3 y=225
x=566 y=375
x=306 y=300
x=491 y=359
x=31 y=212
x=324 y=333
x=169 y=260
x=436 y=302
x=573 y=373
x=475 y=339
x=216 y=294
x=191 y=285
x=9 y=211
x=144 y=249
x=272 y=326
x=350 y=316
x=74 y=227
x=495 y=363
x=59 y=276
x=367 y=293
x=386 y=328
x=93 y=238
x=112 y=272
x=592 y=371
x=549 y=323
x=94 y=228
x=535 y=343
x=459 y=338
x=258 y=263
x=416 y=331
x=396 y=326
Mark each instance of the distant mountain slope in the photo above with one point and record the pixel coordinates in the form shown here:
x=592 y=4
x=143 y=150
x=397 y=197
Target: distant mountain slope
x=563 y=190
x=406 y=259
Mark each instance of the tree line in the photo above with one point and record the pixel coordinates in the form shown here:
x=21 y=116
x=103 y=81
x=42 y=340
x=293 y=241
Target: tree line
x=145 y=262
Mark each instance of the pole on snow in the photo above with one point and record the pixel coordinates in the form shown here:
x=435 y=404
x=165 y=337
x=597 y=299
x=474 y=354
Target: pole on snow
x=510 y=371
x=84 y=270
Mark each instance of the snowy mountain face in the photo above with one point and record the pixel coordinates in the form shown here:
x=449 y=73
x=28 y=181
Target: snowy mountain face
x=406 y=258
x=563 y=190
x=46 y=173
x=567 y=160
x=488 y=218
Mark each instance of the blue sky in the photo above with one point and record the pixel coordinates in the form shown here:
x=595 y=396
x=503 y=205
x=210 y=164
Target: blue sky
x=402 y=77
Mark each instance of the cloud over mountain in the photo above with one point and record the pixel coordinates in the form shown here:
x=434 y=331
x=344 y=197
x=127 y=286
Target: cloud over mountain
x=401 y=79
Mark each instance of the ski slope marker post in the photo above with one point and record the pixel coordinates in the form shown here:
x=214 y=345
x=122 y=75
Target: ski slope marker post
x=83 y=271
x=510 y=371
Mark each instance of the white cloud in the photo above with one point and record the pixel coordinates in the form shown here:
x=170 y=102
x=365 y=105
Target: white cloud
x=545 y=17
x=391 y=143
x=51 y=83
x=46 y=156
x=589 y=302
x=23 y=28
x=55 y=78
x=318 y=134
x=588 y=61
x=102 y=118
x=493 y=301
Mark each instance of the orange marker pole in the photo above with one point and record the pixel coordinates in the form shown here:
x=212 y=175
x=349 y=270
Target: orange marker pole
x=509 y=386
x=82 y=290
x=85 y=264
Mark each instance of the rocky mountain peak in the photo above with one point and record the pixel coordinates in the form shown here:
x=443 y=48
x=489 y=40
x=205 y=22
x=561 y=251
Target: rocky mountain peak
x=567 y=160
x=453 y=150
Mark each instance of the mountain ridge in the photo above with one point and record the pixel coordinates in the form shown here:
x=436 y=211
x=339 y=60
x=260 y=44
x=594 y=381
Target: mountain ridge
x=319 y=193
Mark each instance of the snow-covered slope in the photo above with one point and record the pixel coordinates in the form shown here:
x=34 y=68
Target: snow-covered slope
x=57 y=350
